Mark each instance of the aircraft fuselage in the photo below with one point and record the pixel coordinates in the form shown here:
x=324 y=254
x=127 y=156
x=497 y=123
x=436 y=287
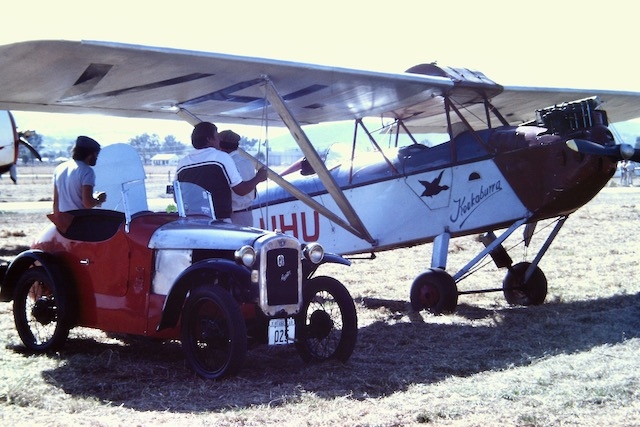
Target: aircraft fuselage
x=460 y=187
x=9 y=143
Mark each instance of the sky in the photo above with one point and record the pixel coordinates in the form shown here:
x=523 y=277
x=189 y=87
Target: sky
x=543 y=43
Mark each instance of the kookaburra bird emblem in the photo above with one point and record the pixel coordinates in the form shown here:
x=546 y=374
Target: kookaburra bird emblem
x=433 y=188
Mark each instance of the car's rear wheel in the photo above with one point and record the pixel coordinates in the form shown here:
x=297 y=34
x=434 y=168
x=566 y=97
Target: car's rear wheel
x=327 y=324
x=40 y=311
x=213 y=333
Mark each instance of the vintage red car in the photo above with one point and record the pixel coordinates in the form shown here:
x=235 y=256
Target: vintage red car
x=179 y=276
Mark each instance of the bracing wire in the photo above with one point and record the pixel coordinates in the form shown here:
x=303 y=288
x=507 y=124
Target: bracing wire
x=485 y=261
x=265 y=141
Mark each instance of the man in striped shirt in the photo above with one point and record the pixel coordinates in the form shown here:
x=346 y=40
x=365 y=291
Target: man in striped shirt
x=214 y=170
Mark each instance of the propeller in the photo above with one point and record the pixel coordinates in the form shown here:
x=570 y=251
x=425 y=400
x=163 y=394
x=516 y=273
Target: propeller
x=618 y=152
x=30 y=147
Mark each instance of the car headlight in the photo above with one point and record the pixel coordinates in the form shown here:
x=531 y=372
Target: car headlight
x=314 y=252
x=246 y=255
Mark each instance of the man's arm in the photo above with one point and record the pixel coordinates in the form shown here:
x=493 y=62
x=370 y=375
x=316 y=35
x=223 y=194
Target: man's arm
x=55 y=200
x=245 y=187
x=88 y=201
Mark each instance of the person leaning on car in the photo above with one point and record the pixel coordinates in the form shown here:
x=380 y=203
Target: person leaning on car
x=73 y=180
x=214 y=170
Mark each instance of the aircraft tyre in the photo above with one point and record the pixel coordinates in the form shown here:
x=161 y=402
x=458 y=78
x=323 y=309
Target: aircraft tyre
x=516 y=292
x=434 y=290
x=213 y=333
x=327 y=325
x=40 y=311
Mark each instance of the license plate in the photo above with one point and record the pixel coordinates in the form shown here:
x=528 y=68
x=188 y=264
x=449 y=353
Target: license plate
x=281 y=333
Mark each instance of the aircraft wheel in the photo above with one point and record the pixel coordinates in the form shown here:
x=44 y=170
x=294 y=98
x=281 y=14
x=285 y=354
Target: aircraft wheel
x=213 y=333
x=40 y=311
x=327 y=325
x=434 y=290
x=517 y=292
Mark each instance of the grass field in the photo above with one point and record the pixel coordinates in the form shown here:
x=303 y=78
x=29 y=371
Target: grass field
x=571 y=361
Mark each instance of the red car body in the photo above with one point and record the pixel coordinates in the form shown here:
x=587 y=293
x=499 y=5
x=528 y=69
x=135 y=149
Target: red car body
x=211 y=284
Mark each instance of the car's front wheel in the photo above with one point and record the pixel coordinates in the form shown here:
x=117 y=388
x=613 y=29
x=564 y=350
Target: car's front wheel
x=40 y=311
x=327 y=323
x=213 y=333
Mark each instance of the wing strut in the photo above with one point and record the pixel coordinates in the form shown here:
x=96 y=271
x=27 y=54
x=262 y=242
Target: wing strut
x=304 y=197
x=355 y=224
x=292 y=189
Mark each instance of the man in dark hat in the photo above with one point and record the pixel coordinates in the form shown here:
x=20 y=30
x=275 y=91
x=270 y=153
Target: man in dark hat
x=214 y=170
x=73 y=180
x=240 y=205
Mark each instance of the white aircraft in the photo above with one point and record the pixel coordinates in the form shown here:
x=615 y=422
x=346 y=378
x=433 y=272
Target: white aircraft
x=10 y=140
x=514 y=155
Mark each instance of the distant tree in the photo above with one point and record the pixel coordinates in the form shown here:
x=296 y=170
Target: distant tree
x=248 y=144
x=173 y=146
x=146 y=145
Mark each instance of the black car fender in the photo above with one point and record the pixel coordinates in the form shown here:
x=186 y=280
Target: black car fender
x=22 y=263
x=202 y=272
x=309 y=268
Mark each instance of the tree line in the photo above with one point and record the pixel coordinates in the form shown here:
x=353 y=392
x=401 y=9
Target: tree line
x=147 y=145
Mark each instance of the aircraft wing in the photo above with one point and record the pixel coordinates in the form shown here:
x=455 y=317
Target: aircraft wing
x=518 y=104
x=149 y=82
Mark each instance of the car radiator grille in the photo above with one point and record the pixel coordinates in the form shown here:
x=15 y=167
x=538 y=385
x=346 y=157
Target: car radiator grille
x=282 y=276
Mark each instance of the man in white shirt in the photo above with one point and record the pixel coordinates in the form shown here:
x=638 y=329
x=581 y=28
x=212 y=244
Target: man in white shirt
x=214 y=170
x=73 y=180
x=240 y=205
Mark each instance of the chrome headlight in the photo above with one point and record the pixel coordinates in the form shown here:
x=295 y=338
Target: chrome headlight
x=246 y=255
x=314 y=252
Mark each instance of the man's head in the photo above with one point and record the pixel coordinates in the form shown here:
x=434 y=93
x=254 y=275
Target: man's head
x=86 y=149
x=229 y=140
x=205 y=134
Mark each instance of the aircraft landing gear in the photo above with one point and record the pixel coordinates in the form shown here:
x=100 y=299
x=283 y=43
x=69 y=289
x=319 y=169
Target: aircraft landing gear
x=524 y=284
x=434 y=290
x=518 y=291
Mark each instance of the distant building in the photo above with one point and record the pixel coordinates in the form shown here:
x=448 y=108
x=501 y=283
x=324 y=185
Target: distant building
x=165 y=160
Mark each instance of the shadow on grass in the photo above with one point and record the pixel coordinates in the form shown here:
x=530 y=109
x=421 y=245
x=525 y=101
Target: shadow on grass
x=148 y=375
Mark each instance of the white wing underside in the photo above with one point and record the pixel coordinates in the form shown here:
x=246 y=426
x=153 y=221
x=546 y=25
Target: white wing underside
x=147 y=82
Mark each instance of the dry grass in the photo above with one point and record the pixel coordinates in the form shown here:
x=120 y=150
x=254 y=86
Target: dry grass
x=572 y=361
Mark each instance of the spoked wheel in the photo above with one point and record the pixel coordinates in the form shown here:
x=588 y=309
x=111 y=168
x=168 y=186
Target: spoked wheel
x=213 y=333
x=517 y=292
x=40 y=311
x=327 y=325
x=434 y=290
